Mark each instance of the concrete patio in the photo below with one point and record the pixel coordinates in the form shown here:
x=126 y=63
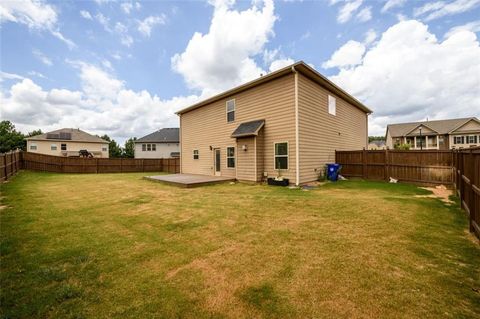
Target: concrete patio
x=189 y=180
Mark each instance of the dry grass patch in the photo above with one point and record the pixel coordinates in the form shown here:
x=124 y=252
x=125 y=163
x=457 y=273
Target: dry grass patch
x=115 y=245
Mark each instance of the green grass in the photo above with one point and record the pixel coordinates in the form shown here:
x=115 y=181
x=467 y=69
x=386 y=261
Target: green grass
x=115 y=245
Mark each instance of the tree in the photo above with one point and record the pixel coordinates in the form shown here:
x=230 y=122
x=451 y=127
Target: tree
x=129 y=149
x=404 y=147
x=10 y=139
x=376 y=138
x=114 y=150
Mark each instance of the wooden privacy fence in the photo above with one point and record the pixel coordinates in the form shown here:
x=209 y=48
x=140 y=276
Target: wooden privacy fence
x=427 y=167
x=14 y=161
x=459 y=169
x=467 y=184
x=10 y=164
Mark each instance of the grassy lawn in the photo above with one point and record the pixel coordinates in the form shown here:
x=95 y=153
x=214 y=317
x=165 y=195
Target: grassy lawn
x=114 y=245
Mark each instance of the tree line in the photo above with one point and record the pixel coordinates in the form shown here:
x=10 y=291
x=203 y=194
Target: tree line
x=11 y=139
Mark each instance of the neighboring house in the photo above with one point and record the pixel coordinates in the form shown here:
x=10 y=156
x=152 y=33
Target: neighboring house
x=440 y=135
x=376 y=145
x=163 y=143
x=288 y=123
x=67 y=142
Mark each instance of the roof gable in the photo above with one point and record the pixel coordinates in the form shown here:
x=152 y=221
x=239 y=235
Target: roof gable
x=440 y=126
x=470 y=125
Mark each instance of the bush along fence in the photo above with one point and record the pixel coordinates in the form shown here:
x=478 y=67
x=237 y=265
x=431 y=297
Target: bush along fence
x=10 y=164
x=57 y=164
x=459 y=169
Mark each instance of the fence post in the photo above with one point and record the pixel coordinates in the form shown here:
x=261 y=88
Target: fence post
x=5 y=166
x=387 y=167
x=364 y=162
x=143 y=165
x=471 y=197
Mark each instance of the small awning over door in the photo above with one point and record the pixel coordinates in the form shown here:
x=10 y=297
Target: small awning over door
x=248 y=129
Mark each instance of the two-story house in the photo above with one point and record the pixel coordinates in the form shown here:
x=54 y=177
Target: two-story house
x=163 y=143
x=440 y=134
x=288 y=122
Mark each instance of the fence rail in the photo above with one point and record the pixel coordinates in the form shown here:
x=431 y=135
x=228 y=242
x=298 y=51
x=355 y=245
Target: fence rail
x=11 y=163
x=459 y=169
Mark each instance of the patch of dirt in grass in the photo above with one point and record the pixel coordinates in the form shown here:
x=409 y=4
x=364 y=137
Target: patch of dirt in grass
x=440 y=192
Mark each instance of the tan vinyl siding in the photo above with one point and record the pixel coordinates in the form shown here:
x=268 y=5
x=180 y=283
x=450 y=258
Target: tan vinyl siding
x=260 y=155
x=45 y=147
x=207 y=126
x=321 y=133
x=246 y=159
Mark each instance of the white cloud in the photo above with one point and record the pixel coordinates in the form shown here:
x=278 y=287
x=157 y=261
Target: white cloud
x=126 y=7
x=365 y=14
x=222 y=58
x=473 y=26
x=37 y=74
x=370 y=36
x=348 y=55
x=85 y=14
x=42 y=57
x=9 y=76
x=346 y=11
x=440 y=9
x=409 y=75
x=119 y=28
x=390 y=4
x=103 y=105
x=145 y=26
x=35 y=14
x=280 y=63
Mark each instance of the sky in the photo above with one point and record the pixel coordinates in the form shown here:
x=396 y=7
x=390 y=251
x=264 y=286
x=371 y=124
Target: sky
x=123 y=68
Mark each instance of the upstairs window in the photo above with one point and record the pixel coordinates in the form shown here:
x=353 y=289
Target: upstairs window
x=332 y=105
x=104 y=149
x=33 y=147
x=149 y=147
x=231 y=157
x=230 y=110
x=196 y=154
x=63 y=147
x=53 y=147
x=281 y=155
x=144 y=147
x=154 y=147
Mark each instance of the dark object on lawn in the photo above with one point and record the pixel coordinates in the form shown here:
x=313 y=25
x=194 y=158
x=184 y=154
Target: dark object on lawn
x=273 y=181
x=85 y=153
x=332 y=171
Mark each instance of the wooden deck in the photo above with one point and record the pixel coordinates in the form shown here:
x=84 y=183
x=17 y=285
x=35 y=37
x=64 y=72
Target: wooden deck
x=189 y=180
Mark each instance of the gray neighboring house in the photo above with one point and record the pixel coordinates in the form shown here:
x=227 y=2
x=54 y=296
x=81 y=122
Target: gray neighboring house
x=440 y=134
x=164 y=143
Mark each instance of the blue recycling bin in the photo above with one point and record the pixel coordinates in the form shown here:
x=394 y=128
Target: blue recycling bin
x=332 y=171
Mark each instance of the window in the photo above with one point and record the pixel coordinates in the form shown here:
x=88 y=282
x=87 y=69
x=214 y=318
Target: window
x=53 y=147
x=144 y=147
x=281 y=155
x=63 y=147
x=458 y=140
x=231 y=157
x=196 y=154
x=104 y=149
x=332 y=105
x=230 y=110
x=154 y=147
x=472 y=139
x=149 y=147
x=33 y=147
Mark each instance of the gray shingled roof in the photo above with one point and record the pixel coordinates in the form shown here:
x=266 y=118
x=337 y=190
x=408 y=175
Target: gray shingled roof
x=76 y=135
x=440 y=126
x=164 y=135
x=248 y=128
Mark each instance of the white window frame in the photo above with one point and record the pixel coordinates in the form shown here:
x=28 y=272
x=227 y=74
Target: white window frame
x=332 y=105
x=144 y=147
x=154 y=147
x=149 y=147
x=104 y=149
x=61 y=147
x=275 y=156
x=53 y=147
x=33 y=147
x=234 y=109
x=234 y=157
x=196 y=153
x=460 y=137
x=474 y=139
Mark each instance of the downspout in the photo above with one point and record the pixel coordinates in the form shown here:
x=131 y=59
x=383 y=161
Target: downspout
x=297 y=146
x=181 y=144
